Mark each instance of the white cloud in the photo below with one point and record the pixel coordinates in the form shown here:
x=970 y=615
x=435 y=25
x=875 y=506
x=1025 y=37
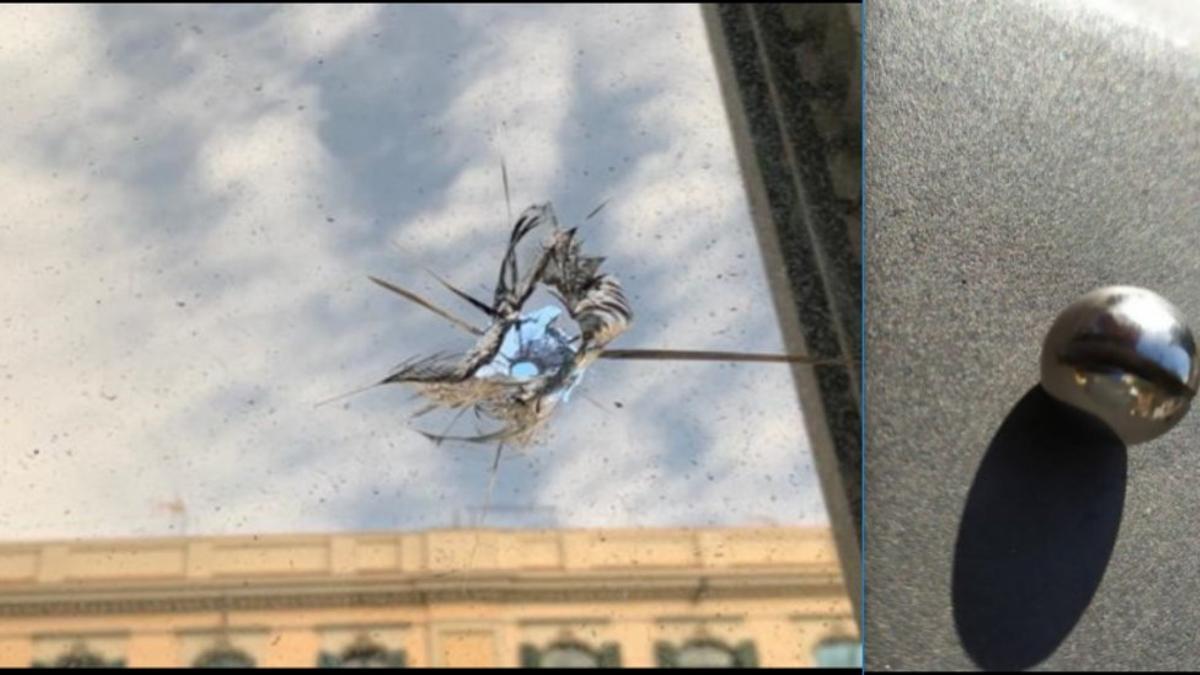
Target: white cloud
x=313 y=30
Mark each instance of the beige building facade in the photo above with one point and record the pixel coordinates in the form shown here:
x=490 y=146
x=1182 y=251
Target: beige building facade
x=629 y=597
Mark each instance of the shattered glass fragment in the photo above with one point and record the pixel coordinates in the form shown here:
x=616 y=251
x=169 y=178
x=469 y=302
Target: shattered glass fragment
x=523 y=365
x=534 y=348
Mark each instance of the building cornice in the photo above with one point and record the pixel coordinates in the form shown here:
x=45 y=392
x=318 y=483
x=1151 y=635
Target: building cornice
x=367 y=569
x=507 y=589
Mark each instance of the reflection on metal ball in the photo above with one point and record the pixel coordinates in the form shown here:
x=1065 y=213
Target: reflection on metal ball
x=1126 y=356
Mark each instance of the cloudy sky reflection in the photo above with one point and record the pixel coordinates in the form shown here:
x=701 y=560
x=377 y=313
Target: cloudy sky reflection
x=192 y=197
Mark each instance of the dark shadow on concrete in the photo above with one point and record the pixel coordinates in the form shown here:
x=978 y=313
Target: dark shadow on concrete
x=1037 y=532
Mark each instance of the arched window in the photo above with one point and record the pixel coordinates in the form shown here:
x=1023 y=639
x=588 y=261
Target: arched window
x=706 y=653
x=569 y=656
x=363 y=653
x=79 y=656
x=224 y=655
x=838 y=653
x=566 y=653
x=705 y=656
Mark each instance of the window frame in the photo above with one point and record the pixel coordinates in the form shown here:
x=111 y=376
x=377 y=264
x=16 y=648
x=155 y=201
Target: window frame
x=744 y=653
x=223 y=649
x=362 y=643
x=79 y=651
x=606 y=655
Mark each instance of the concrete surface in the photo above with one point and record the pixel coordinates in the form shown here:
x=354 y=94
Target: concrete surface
x=1017 y=157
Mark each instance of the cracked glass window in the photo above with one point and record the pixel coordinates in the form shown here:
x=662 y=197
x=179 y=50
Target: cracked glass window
x=225 y=218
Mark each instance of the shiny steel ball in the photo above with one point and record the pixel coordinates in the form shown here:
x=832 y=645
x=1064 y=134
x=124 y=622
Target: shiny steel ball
x=1126 y=356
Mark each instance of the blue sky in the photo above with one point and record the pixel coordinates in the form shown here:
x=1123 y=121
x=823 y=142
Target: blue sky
x=193 y=196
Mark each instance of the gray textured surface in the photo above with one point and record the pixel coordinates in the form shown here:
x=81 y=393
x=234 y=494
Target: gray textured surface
x=1017 y=157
